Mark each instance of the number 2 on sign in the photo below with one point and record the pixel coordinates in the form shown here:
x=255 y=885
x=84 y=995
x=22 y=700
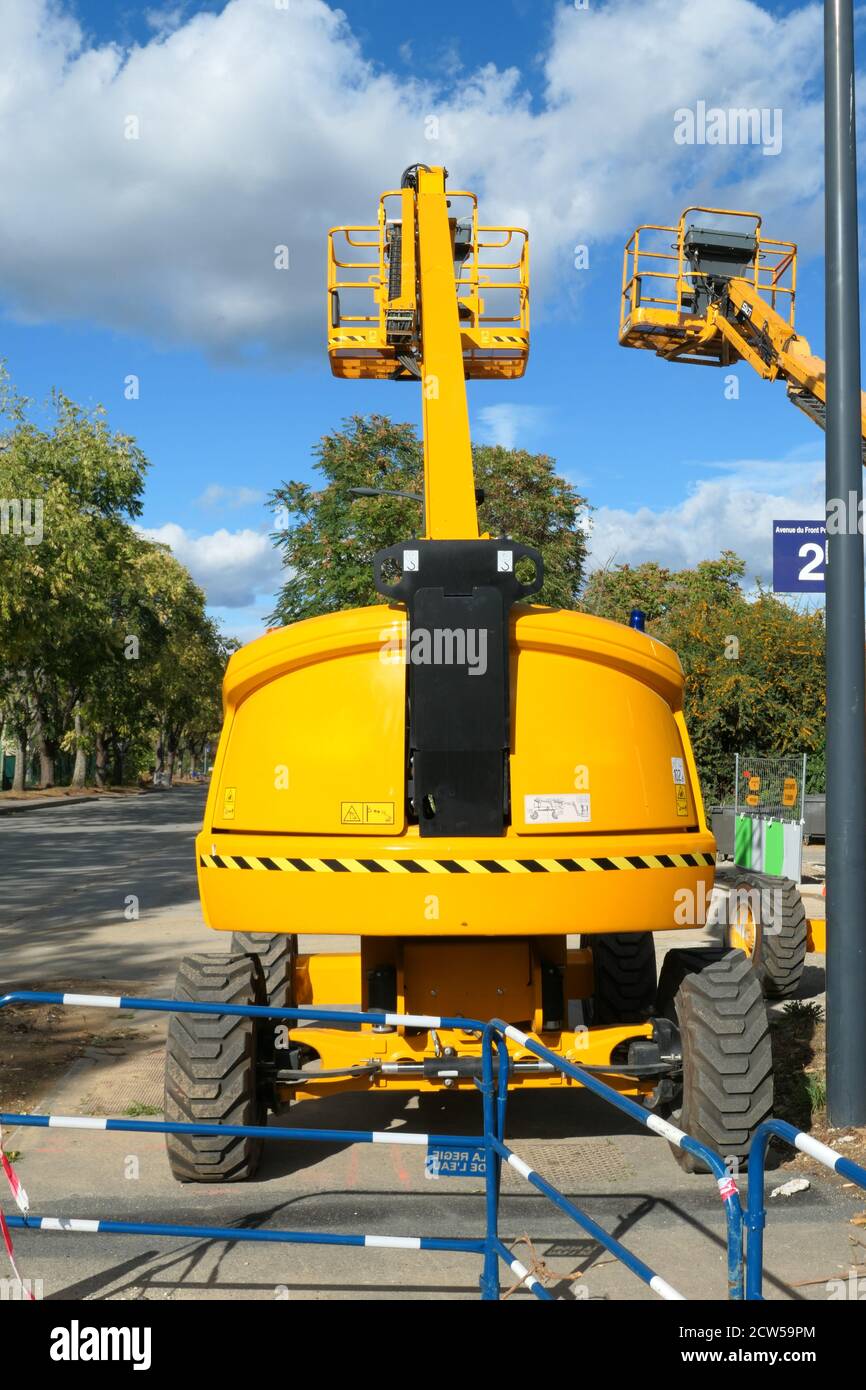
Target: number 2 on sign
x=814 y=555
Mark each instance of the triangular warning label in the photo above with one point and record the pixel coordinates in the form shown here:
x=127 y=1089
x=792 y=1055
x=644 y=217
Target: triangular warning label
x=351 y=813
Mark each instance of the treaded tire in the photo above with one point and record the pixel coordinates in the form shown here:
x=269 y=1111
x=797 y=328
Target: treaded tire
x=727 y=1053
x=779 y=954
x=210 y=1071
x=276 y=954
x=624 y=976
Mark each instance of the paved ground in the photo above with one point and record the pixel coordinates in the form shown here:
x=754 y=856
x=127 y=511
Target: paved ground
x=72 y=878
x=66 y=877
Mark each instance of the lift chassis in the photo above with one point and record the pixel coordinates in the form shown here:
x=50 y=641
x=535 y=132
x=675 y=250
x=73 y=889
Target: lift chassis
x=498 y=798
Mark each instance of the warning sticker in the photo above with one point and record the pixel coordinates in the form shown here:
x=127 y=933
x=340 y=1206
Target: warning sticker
x=679 y=771
x=790 y=791
x=682 y=801
x=367 y=813
x=229 y=796
x=554 y=807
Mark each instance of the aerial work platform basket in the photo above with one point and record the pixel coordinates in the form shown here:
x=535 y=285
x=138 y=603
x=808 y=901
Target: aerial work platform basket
x=374 y=306
x=672 y=275
x=714 y=291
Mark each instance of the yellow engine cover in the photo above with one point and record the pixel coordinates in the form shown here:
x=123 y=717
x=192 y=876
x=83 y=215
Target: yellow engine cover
x=306 y=825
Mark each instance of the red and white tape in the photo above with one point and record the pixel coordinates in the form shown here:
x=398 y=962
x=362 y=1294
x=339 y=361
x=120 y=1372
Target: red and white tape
x=22 y=1201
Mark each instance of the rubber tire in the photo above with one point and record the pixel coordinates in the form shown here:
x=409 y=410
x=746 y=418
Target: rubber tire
x=719 y=1006
x=210 y=1071
x=624 y=976
x=276 y=954
x=779 y=956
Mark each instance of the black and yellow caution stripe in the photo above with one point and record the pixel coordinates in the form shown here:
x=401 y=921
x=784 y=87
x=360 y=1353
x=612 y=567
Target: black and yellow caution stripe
x=455 y=866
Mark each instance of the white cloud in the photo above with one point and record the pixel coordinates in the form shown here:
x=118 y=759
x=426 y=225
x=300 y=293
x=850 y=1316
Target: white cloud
x=165 y=18
x=261 y=126
x=233 y=567
x=507 y=424
x=215 y=495
x=731 y=512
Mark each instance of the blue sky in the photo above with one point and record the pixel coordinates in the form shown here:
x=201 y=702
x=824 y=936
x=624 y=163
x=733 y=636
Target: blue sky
x=263 y=124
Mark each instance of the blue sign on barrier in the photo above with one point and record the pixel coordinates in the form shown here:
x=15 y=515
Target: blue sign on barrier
x=799 y=557
x=444 y=1161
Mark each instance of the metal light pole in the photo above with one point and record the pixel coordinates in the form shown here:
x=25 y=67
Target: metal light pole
x=846 y=714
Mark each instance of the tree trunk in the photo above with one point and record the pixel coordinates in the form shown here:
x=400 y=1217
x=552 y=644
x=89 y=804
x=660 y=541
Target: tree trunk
x=46 y=767
x=46 y=753
x=169 y=766
x=80 y=769
x=18 y=777
x=159 y=763
x=101 y=760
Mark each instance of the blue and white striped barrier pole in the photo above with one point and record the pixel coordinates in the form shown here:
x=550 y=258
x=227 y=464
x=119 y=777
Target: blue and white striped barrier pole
x=592 y=1228
x=490 y=1247
x=320 y=1136
x=153 y=1228
x=182 y=1006
x=726 y=1184
x=494 y=1033
x=490 y=1274
x=484 y=1247
x=525 y=1275
x=756 y=1212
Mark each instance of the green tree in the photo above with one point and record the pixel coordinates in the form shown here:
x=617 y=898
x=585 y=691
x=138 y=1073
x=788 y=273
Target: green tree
x=105 y=644
x=191 y=667
x=329 y=537
x=754 y=666
x=69 y=491
x=664 y=595
x=160 y=685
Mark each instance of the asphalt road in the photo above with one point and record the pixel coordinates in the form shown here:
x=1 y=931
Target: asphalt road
x=72 y=878
x=67 y=876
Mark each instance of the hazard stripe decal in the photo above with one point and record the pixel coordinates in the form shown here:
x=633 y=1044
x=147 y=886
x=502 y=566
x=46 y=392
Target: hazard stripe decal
x=456 y=866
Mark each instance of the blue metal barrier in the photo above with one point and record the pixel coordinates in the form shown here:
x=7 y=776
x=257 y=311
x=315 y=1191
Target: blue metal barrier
x=726 y=1184
x=756 y=1211
x=494 y=1090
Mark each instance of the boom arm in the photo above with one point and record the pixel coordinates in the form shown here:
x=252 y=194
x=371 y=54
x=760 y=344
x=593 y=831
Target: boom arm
x=430 y=323
x=449 y=487
x=760 y=336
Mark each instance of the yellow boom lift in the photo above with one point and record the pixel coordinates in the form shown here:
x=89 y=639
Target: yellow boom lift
x=714 y=291
x=459 y=777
